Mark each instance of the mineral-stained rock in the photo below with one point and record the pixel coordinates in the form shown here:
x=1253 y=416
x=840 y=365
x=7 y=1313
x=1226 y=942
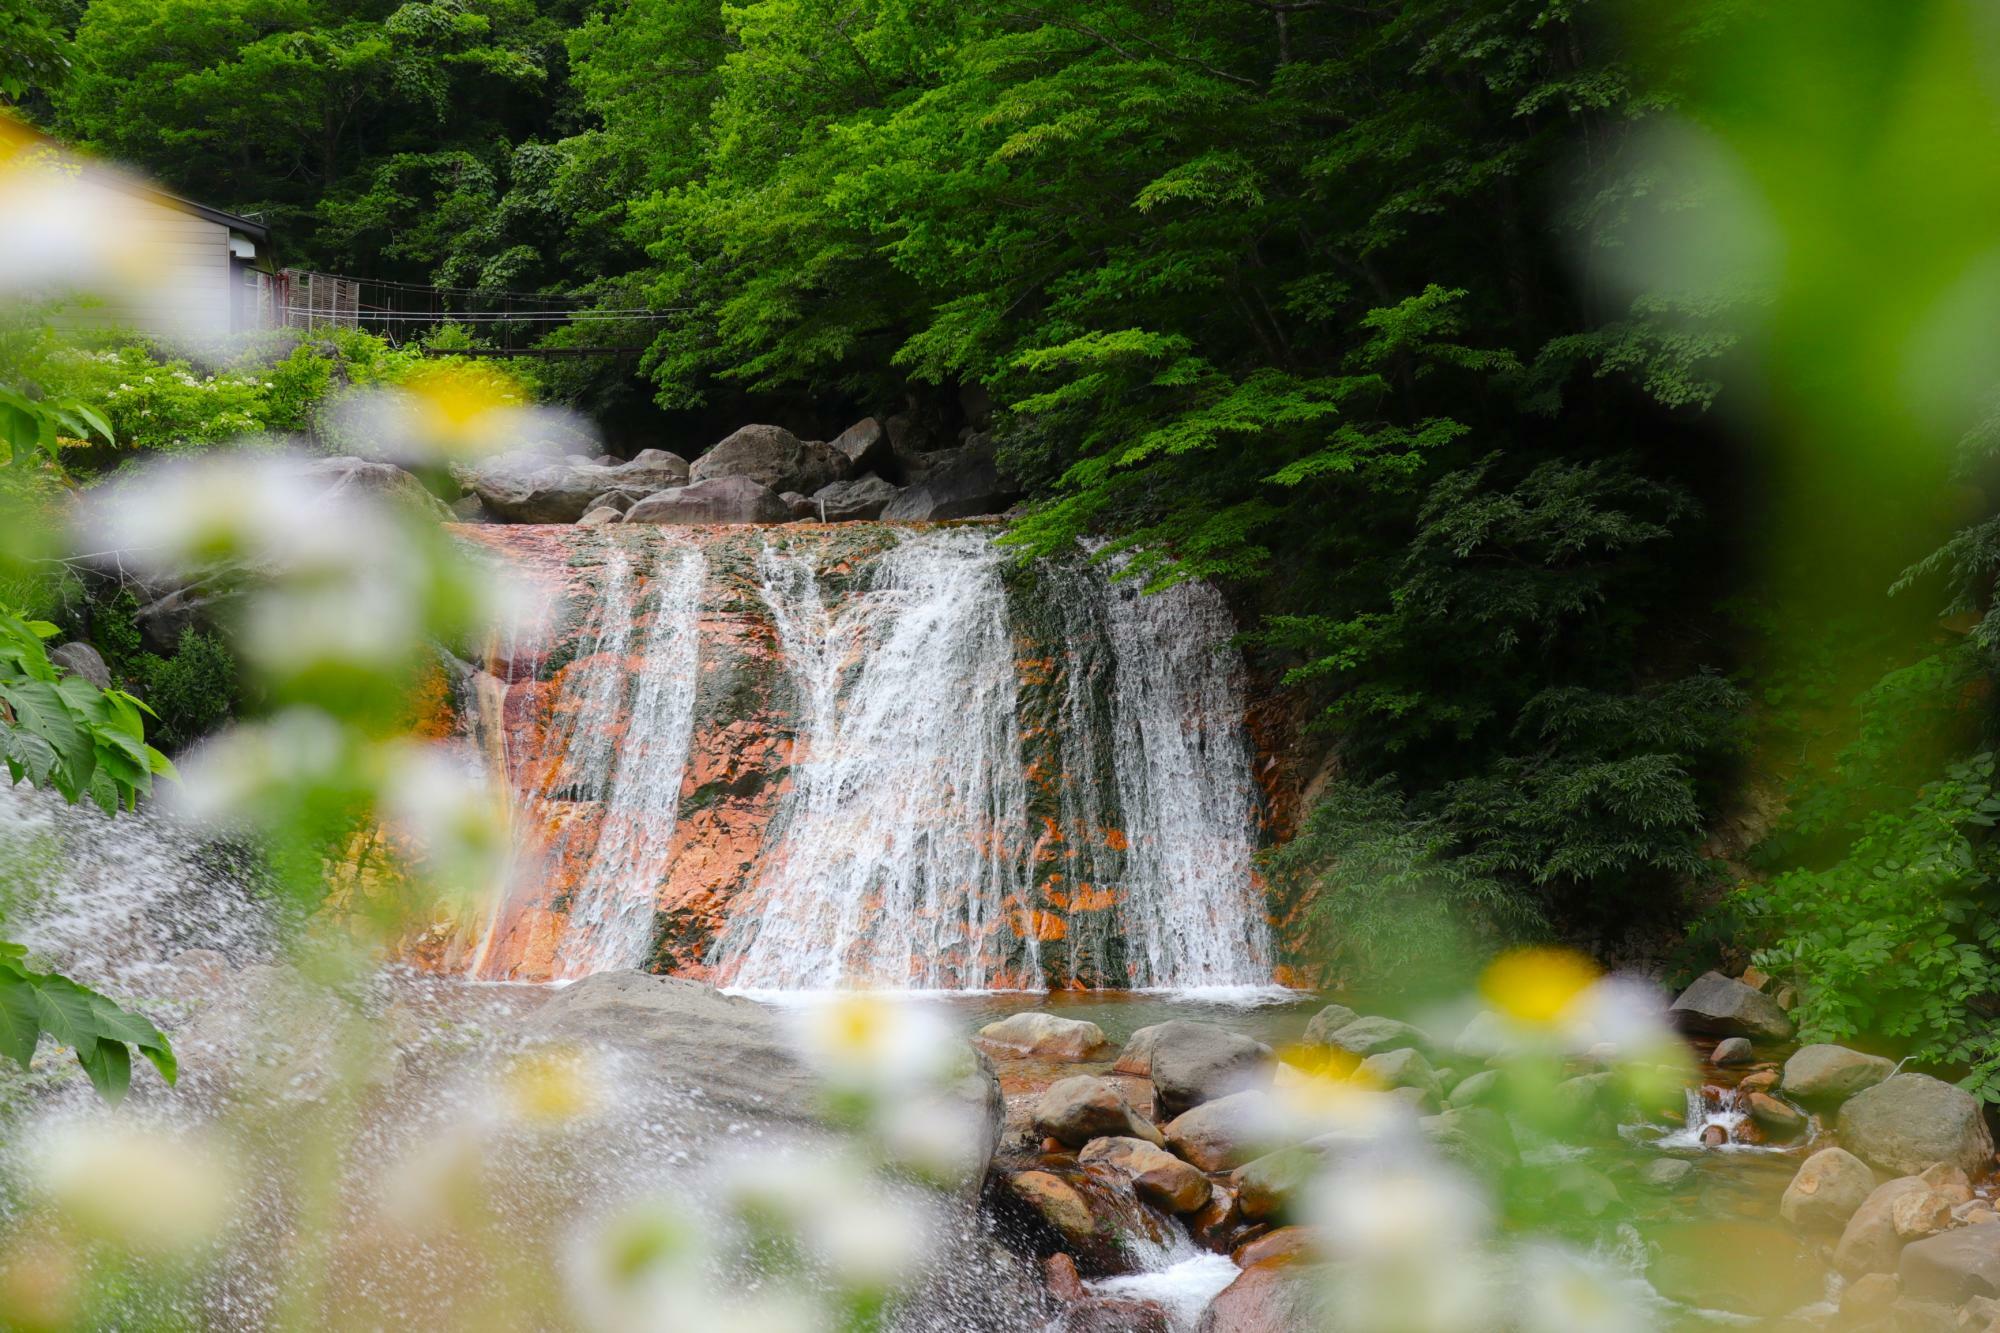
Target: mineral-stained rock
x=1830 y=1185
x=1215 y=1224
x=1920 y=1213
x=1720 y=1006
x=773 y=457
x=1059 y=1272
x=1948 y=1180
x=1157 y=1175
x=1198 y=1062
x=1905 y=1123
x=719 y=500
x=1275 y=1296
x=1114 y=1314
x=1136 y=1057
x=1045 y=1036
x=1825 y=1073
x=1733 y=1051
x=1774 y=1117
x=1067 y=1212
x=1224 y=1134
x=1073 y=1111
x=1953 y=1267
x=1869 y=1243
x=1285 y=1245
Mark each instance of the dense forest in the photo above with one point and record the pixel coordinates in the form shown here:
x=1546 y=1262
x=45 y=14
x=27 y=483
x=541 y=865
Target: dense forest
x=1385 y=317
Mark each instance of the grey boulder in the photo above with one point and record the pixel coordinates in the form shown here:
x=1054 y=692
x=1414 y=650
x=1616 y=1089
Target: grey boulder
x=1075 y=1110
x=544 y=488
x=1719 y=1006
x=1371 y=1036
x=722 y=500
x=956 y=483
x=1952 y=1267
x=1224 y=1134
x=866 y=447
x=1327 y=1022
x=345 y=473
x=1199 y=1062
x=862 y=497
x=77 y=658
x=771 y=456
x=1828 y=1073
x=1831 y=1185
x=1903 y=1124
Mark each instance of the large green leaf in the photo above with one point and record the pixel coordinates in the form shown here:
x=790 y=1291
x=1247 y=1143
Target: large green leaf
x=34 y=1004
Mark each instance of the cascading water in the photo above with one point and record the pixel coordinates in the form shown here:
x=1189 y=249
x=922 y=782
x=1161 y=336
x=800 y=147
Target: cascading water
x=900 y=850
x=611 y=921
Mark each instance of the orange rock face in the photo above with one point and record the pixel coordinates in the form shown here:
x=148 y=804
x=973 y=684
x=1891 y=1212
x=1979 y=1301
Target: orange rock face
x=520 y=706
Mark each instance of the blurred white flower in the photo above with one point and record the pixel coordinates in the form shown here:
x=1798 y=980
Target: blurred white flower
x=1628 y=1014
x=436 y=798
x=62 y=232
x=369 y=619
x=551 y=1088
x=868 y=1238
x=938 y=1138
x=1388 y=1207
x=879 y=1047
x=1565 y=1292
x=456 y=412
x=233 y=775
x=137 y=1188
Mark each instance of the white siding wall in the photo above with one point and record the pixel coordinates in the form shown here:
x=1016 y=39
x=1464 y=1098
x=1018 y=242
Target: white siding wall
x=175 y=275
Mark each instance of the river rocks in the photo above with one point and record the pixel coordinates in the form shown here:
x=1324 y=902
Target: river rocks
x=1719 y=1006
x=955 y=483
x=599 y=517
x=1869 y=1243
x=1904 y=1123
x=1775 y=1118
x=618 y=500
x=1223 y=1134
x=772 y=457
x=1265 y=1186
x=1953 y=1267
x=1319 y=1032
x=1370 y=1036
x=344 y=472
x=1733 y=1051
x=1667 y=1173
x=1066 y=1212
x=527 y=487
x=1136 y=1057
x=866 y=447
x=1157 y=1176
x=1920 y=1213
x=1275 y=1296
x=1114 y=1314
x=1073 y=1111
x=1475 y=1137
x=1830 y=1185
x=79 y=659
x=720 y=500
x=1195 y=1062
x=1476 y=1089
x=1402 y=1068
x=1045 y=1036
x=1826 y=1073
x=859 y=498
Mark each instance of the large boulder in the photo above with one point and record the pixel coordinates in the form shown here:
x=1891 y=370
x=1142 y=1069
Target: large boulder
x=1265 y=1186
x=1372 y=1036
x=1073 y=1111
x=373 y=477
x=1275 y=1296
x=866 y=447
x=1071 y=1214
x=723 y=500
x=1830 y=1185
x=533 y=487
x=734 y=1055
x=1198 y=1062
x=77 y=658
x=1224 y=1134
x=1719 y=1006
x=956 y=483
x=774 y=457
x=1953 y=1267
x=1404 y=1067
x=1825 y=1073
x=858 y=498
x=1157 y=1175
x=1136 y=1056
x=1869 y=1243
x=1044 y=1036
x=1327 y=1022
x=1904 y=1123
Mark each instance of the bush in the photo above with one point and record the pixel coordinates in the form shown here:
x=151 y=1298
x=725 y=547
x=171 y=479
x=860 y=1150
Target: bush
x=193 y=691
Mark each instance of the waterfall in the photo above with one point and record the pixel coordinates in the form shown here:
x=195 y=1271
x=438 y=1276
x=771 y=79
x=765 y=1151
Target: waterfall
x=900 y=850
x=1191 y=914
x=611 y=915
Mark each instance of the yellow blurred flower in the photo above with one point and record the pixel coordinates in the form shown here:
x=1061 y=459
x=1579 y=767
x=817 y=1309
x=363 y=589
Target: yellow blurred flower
x=1538 y=985
x=549 y=1088
x=135 y=1188
x=452 y=403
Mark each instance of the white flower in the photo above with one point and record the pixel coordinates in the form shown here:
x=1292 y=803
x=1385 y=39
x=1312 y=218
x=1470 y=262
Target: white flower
x=1393 y=1207
x=1565 y=1292
x=134 y=1187
x=435 y=796
x=228 y=777
x=881 y=1047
